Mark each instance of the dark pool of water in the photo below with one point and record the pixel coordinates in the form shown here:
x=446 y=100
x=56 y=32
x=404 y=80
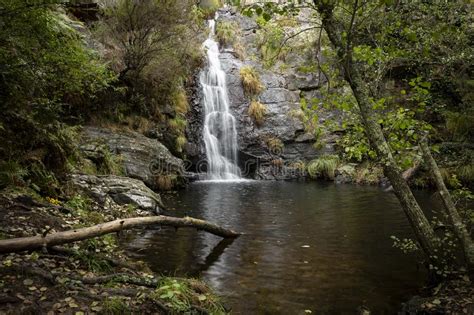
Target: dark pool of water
x=307 y=246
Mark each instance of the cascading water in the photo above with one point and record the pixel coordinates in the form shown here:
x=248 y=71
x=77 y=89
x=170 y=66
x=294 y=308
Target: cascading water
x=219 y=131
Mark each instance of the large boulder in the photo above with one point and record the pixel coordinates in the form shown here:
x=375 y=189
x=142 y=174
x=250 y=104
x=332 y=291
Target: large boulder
x=120 y=189
x=143 y=158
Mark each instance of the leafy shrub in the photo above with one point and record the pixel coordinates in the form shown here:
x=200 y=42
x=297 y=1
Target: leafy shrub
x=257 y=111
x=272 y=46
x=209 y=7
x=155 y=54
x=323 y=167
x=12 y=173
x=251 y=81
x=227 y=33
x=183 y=295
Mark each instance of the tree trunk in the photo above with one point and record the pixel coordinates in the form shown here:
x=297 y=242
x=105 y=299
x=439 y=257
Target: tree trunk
x=420 y=224
x=59 y=238
x=453 y=215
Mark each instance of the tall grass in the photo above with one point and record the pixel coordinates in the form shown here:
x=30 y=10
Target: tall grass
x=257 y=111
x=323 y=167
x=251 y=81
x=227 y=33
x=275 y=145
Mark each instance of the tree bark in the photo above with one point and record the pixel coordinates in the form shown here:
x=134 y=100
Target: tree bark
x=423 y=232
x=59 y=238
x=453 y=215
x=407 y=174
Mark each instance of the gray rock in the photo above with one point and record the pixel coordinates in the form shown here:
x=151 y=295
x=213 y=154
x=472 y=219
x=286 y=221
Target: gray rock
x=345 y=173
x=143 y=158
x=122 y=190
x=283 y=88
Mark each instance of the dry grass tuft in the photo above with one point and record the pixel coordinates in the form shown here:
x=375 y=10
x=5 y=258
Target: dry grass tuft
x=165 y=182
x=180 y=143
x=180 y=101
x=257 y=111
x=251 y=81
x=275 y=145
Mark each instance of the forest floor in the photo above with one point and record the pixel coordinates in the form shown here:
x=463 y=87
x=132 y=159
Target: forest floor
x=449 y=297
x=88 y=277
x=95 y=277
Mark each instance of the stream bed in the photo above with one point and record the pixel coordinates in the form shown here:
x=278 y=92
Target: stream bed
x=307 y=246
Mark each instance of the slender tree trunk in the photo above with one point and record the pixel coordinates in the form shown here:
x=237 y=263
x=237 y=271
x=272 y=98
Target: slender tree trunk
x=59 y=238
x=453 y=215
x=420 y=224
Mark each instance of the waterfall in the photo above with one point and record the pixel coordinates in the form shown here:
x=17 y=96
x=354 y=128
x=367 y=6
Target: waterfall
x=219 y=131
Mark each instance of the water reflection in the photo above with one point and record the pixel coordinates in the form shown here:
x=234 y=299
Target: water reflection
x=306 y=246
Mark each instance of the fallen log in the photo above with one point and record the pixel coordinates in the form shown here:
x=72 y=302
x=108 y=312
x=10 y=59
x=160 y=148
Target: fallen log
x=59 y=238
x=407 y=174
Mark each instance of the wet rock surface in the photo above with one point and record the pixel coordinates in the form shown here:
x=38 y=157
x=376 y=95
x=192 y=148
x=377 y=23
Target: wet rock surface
x=121 y=190
x=142 y=157
x=281 y=96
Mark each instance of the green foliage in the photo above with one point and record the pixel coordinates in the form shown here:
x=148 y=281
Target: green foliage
x=257 y=111
x=110 y=163
x=12 y=173
x=227 y=33
x=177 y=124
x=271 y=41
x=251 y=81
x=47 y=76
x=182 y=296
x=115 y=306
x=323 y=167
x=460 y=125
x=368 y=173
x=466 y=173
x=92 y=261
x=406 y=245
x=156 y=50
x=208 y=8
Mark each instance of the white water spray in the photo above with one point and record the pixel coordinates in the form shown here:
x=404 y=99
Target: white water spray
x=219 y=131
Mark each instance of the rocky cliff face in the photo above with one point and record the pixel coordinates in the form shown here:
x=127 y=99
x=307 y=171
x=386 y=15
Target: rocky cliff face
x=283 y=120
x=143 y=158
